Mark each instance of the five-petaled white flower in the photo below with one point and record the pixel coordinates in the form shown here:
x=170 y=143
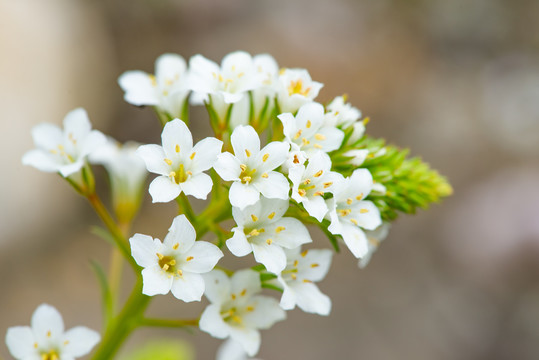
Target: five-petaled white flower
x=311 y=182
x=167 y=89
x=176 y=264
x=179 y=163
x=302 y=270
x=263 y=230
x=47 y=340
x=232 y=350
x=64 y=151
x=236 y=309
x=349 y=213
x=341 y=114
x=307 y=132
x=251 y=169
x=295 y=88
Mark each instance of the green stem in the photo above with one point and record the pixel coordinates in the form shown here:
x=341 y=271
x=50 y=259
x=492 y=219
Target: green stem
x=121 y=327
x=170 y=323
x=186 y=208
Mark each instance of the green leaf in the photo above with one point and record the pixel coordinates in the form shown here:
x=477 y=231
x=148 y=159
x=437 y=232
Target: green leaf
x=106 y=295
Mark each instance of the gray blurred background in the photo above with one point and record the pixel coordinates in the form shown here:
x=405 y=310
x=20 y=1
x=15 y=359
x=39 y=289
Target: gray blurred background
x=455 y=81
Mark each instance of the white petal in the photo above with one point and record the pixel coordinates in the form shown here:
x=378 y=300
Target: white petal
x=248 y=338
x=231 y=350
x=204 y=256
x=162 y=189
x=20 y=341
x=155 y=281
x=93 y=141
x=275 y=186
x=307 y=268
x=288 y=299
x=332 y=136
x=355 y=239
x=245 y=142
x=206 y=152
x=231 y=98
x=275 y=153
x=188 y=287
x=47 y=136
x=217 y=286
x=169 y=67
x=266 y=312
x=238 y=244
x=368 y=216
x=79 y=341
x=138 y=88
x=316 y=207
x=70 y=169
x=198 y=186
x=271 y=256
x=175 y=133
x=46 y=318
x=143 y=249
x=243 y=195
x=41 y=160
x=181 y=232
x=245 y=280
x=310 y=299
x=76 y=124
x=154 y=158
x=293 y=235
x=228 y=166
x=359 y=184
x=212 y=322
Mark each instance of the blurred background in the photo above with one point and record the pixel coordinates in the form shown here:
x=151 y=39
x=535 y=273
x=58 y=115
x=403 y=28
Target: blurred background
x=455 y=81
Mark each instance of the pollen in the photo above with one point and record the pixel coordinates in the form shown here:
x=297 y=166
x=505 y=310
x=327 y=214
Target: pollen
x=270 y=216
x=307 y=181
x=233 y=296
x=49 y=334
x=166 y=267
x=319 y=193
x=304 y=141
x=363 y=211
x=345 y=212
x=302 y=192
x=354 y=221
x=221 y=78
x=279 y=229
x=293 y=276
x=247 y=152
x=296 y=263
x=240 y=75
x=246 y=179
x=315 y=265
x=349 y=201
x=319 y=137
x=318 y=146
x=303 y=254
x=176 y=246
x=192 y=155
x=298 y=134
x=269 y=241
x=153 y=80
x=307 y=281
x=66 y=342
x=254 y=217
x=265 y=157
x=327 y=184
x=265 y=175
x=180 y=273
x=177 y=148
x=35 y=345
x=319 y=173
x=160 y=256
x=254 y=232
x=359 y=197
x=168 y=161
x=250 y=308
x=296 y=160
x=308 y=124
x=243 y=292
x=243 y=167
x=189 y=258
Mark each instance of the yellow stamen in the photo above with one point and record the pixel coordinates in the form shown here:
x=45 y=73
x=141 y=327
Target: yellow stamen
x=303 y=254
x=314 y=265
x=165 y=267
x=269 y=241
x=349 y=201
x=296 y=263
x=265 y=175
x=160 y=256
x=176 y=246
x=180 y=272
x=168 y=161
x=359 y=197
x=265 y=157
x=327 y=184
x=319 y=193
x=304 y=141
x=233 y=296
x=254 y=217
x=270 y=216
x=254 y=232
x=319 y=173
x=298 y=134
x=301 y=192
x=293 y=276
x=247 y=152
x=192 y=155
x=243 y=167
x=363 y=211
x=177 y=148
x=319 y=137
x=153 y=80
x=243 y=292
x=308 y=124
x=318 y=146
x=307 y=181
x=279 y=229
x=354 y=221
x=189 y=258
x=250 y=308
x=307 y=281
x=246 y=179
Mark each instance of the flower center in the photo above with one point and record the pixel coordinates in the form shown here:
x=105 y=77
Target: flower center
x=296 y=87
x=51 y=355
x=246 y=175
x=180 y=175
x=167 y=263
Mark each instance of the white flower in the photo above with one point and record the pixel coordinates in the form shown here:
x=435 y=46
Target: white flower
x=47 y=340
x=179 y=163
x=357 y=156
x=176 y=264
x=250 y=168
x=232 y=350
x=64 y=151
x=341 y=114
x=311 y=182
x=167 y=90
x=264 y=95
x=303 y=269
x=307 y=132
x=374 y=238
x=295 y=89
x=349 y=213
x=127 y=173
x=236 y=309
x=263 y=230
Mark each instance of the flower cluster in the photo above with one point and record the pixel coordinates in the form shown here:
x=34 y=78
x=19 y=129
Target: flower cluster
x=278 y=161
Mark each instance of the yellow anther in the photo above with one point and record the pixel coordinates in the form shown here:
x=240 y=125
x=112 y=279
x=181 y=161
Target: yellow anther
x=172 y=262
x=189 y=258
x=52 y=151
x=327 y=184
x=243 y=292
x=270 y=216
x=66 y=342
x=177 y=148
x=366 y=120
x=192 y=155
x=307 y=281
x=221 y=78
x=61 y=147
x=166 y=267
x=160 y=256
x=214 y=75
x=363 y=211
x=296 y=263
x=319 y=193
x=307 y=181
x=35 y=345
x=265 y=157
x=298 y=134
x=247 y=152
x=254 y=217
x=176 y=246
x=354 y=221
x=302 y=192
x=265 y=175
x=250 y=308
x=318 y=146
x=189 y=173
x=168 y=161
x=349 y=201
x=172 y=175
x=308 y=124
x=314 y=265
x=153 y=80
x=233 y=296
x=344 y=212
x=180 y=273
x=243 y=167
x=304 y=141
x=246 y=179
x=293 y=276
x=240 y=75
x=303 y=254
x=359 y=197
x=261 y=230
x=254 y=232
x=279 y=229
x=237 y=319
x=319 y=137
x=169 y=82
x=319 y=173
x=269 y=241
x=296 y=159
x=165 y=93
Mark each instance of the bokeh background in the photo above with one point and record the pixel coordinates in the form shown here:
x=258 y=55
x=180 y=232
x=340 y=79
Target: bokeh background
x=455 y=81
